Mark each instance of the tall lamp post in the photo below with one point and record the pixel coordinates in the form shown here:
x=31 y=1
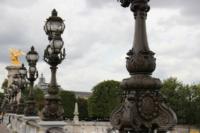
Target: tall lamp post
x=53 y=55
x=32 y=58
x=22 y=85
x=143 y=109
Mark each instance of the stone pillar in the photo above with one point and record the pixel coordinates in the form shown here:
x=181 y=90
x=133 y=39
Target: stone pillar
x=76 y=113
x=12 y=70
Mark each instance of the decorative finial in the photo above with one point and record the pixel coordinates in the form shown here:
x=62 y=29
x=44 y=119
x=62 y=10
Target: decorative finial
x=32 y=48
x=54 y=12
x=136 y=5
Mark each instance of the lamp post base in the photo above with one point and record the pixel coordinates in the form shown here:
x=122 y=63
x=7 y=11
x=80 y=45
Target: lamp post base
x=53 y=110
x=30 y=109
x=20 y=107
x=143 y=109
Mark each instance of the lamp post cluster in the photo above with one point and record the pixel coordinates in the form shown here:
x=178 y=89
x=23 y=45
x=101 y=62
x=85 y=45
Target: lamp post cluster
x=143 y=109
x=54 y=54
x=19 y=84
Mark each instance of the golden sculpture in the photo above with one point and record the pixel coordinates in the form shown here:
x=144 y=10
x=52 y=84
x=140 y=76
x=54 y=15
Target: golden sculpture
x=14 y=56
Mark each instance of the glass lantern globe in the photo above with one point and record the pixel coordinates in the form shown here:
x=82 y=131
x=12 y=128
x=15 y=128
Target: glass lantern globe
x=32 y=56
x=54 y=24
x=32 y=69
x=56 y=45
x=49 y=49
x=22 y=82
x=23 y=71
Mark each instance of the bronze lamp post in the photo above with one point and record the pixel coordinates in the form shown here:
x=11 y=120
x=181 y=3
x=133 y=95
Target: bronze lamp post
x=53 y=55
x=32 y=58
x=22 y=85
x=143 y=109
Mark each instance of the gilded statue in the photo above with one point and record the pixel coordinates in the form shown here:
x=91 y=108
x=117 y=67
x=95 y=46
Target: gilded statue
x=14 y=56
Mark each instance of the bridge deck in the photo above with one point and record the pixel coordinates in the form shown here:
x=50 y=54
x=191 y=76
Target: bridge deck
x=3 y=129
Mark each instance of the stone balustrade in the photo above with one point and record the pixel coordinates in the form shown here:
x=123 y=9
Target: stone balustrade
x=20 y=124
x=88 y=127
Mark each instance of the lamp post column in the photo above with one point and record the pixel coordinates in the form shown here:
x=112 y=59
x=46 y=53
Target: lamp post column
x=143 y=109
x=22 y=85
x=32 y=58
x=53 y=55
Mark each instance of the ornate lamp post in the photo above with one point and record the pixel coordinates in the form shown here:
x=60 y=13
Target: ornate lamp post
x=32 y=58
x=53 y=55
x=143 y=109
x=22 y=85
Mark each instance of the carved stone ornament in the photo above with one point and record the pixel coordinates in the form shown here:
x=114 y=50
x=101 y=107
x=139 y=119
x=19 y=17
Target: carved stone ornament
x=143 y=108
x=30 y=109
x=53 y=110
x=141 y=63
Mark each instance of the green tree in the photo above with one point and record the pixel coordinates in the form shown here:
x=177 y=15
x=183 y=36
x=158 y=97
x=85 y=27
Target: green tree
x=183 y=99
x=105 y=97
x=38 y=95
x=83 y=108
x=193 y=105
x=68 y=100
x=39 y=98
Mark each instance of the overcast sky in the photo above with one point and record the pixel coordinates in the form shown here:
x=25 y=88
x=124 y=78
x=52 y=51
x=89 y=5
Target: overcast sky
x=98 y=35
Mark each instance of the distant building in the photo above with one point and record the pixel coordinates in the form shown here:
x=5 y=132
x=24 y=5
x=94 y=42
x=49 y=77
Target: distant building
x=44 y=86
x=81 y=94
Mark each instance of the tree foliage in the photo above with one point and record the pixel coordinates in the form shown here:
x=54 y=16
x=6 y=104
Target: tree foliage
x=38 y=95
x=183 y=99
x=83 y=108
x=105 y=97
x=68 y=100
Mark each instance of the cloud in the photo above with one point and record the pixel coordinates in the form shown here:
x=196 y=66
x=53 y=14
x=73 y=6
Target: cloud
x=189 y=8
x=17 y=4
x=98 y=35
